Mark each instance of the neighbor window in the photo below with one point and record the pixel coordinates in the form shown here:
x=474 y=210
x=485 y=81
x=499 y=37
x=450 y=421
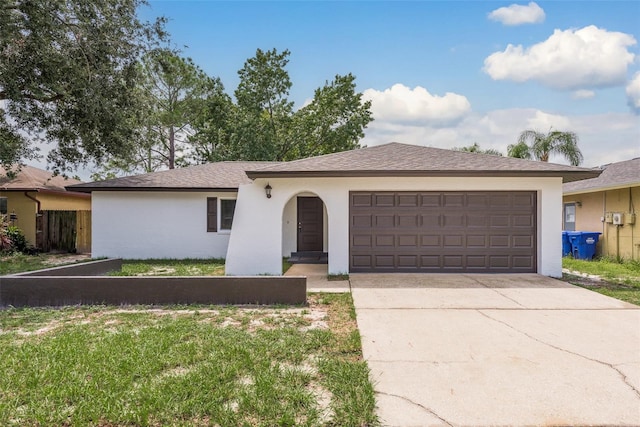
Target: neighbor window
x=227 y=208
x=3 y=206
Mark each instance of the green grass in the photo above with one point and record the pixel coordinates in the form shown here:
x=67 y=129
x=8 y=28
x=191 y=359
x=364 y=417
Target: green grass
x=184 y=366
x=620 y=279
x=18 y=263
x=171 y=267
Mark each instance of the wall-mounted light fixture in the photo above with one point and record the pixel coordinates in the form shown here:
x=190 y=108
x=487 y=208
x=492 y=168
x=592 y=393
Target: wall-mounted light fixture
x=267 y=190
x=579 y=204
x=13 y=217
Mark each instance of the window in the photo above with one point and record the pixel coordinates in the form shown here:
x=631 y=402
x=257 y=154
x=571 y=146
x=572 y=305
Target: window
x=3 y=206
x=227 y=208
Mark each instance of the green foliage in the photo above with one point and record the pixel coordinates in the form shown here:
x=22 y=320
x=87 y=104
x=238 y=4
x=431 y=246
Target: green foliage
x=18 y=241
x=475 y=148
x=67 y=76
x=264 y=126
x=177 y=96
x=539 y=146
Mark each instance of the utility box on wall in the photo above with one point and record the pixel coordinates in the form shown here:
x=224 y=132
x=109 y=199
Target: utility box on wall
x=618 y=218
x=630 y=218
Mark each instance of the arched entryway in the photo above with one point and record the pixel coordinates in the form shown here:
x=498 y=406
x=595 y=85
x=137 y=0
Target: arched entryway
x=304 y=229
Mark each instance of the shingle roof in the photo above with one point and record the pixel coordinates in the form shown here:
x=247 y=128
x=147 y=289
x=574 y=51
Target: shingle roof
x=34 y=179
x=614 y=175
x=221 y=176
x=397 y=159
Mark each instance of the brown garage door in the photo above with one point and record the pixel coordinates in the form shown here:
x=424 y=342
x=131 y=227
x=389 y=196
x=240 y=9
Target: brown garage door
x=443 y=231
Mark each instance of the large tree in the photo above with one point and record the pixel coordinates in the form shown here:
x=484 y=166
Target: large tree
x=68 y=70
x=177 y=96
x=266 y=126
x=536 y=145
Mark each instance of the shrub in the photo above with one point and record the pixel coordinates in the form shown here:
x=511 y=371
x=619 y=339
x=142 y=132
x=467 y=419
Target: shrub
x=18 y=241
x=5 y=240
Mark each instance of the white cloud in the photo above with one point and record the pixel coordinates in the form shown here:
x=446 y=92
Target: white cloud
x=583 y=94
x=572 y=59
x=603 y=138
x=633 y=92
x=517 y=14
x=402 y=104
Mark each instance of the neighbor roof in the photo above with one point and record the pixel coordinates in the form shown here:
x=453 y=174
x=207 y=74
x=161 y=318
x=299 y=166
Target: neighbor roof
x=220 y=176
x=397 y=159
x=29 y=178
x=614 y=175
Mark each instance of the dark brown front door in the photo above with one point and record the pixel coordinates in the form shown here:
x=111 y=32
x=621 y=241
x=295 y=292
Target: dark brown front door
x=482 y=231
x=310 y=224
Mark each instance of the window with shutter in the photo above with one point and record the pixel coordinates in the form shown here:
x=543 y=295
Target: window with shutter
x=212 y=214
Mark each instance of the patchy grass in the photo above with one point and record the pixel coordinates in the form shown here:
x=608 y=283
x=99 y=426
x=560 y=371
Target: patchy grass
x=337 y=277
x=611 y=278
x=185 y=366
x=18 y=263
x=171 y=267
x=286 y=265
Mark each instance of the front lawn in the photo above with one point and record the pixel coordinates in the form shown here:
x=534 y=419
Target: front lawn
x=185 y=366
x=615 y=279
x=18 y=263
x=171 y=267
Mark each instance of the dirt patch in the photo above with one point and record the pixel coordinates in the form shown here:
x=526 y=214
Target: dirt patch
x=59 y=259
x=591 y=281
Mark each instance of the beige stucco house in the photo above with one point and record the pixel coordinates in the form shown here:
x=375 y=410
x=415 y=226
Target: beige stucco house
x=50 y=216
x=607 y=204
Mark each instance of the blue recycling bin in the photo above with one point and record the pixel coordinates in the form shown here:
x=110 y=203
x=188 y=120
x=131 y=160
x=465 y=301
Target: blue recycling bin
x=583 y=243
x=566 y=244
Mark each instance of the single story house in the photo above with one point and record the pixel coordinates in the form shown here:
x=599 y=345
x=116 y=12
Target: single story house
x=388 y=208
x=607 y=204
x=51 y=217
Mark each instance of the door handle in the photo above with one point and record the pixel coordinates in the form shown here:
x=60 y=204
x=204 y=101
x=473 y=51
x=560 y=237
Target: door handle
x=299 y=227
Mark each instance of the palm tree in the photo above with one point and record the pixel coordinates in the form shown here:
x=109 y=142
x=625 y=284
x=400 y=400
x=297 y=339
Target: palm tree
x=475 y=148
x=539 y=146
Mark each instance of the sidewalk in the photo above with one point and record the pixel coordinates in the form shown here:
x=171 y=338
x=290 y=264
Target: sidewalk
x=317 y=280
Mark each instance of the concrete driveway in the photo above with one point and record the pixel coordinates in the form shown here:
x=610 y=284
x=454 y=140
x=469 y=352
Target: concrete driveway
x=486 y=350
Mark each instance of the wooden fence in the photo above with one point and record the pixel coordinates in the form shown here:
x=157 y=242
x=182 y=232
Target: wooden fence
x=65 y=231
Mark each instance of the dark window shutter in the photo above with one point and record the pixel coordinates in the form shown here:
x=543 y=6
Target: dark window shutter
x=212 y=214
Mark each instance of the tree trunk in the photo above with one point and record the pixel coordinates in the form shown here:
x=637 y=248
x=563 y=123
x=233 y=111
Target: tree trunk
x=172 y=148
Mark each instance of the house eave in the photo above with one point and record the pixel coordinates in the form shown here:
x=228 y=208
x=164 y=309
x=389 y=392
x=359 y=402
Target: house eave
x=567 y=176
x=600 y=189
x=155 y=189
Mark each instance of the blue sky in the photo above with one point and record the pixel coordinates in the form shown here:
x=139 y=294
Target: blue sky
x=443 y=74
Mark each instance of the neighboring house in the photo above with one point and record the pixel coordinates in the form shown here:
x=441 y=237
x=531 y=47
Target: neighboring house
x=607 y=204
x=51 y=217
x=389 y=208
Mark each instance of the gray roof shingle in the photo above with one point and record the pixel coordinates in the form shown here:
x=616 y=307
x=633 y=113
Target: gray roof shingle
x=29 y=178
x=620 y=174
x=395 y=159
x=221 y=176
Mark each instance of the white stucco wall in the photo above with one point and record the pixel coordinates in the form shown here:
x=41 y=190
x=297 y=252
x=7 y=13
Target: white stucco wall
x=256 y=244
x=146 y=225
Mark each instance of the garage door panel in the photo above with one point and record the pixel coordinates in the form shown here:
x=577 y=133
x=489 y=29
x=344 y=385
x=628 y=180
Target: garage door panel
x=408 y=200
x=406 y=220
x=443 y=231
x=387 y=240
x=429 y=240
x=430 y=200
x=382 y=221
x=384 y=200
x=361 y=241
x=361 y=221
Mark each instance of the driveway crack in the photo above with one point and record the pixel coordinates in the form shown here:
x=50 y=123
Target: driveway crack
x=622 y=375
x=429 y=410
x=495 y=290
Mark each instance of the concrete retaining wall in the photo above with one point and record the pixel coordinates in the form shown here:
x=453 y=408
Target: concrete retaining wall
x=91 y=268
x=37 y=291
